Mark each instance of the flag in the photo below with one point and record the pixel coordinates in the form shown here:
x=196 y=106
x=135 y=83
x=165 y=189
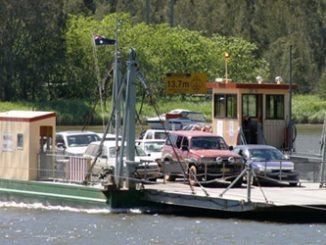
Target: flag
x=99 y=40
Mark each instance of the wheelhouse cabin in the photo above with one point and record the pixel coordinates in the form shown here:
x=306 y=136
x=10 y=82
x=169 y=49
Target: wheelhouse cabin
x=252 y=113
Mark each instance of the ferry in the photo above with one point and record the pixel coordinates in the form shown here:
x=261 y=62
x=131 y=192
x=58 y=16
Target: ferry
x=30 y=174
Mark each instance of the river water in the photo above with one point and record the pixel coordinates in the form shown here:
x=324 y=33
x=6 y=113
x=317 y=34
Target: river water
x=37 y=224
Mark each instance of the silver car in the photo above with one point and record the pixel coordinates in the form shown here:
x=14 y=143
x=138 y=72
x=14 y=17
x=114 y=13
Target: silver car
x=269 y=164
x=146 y=168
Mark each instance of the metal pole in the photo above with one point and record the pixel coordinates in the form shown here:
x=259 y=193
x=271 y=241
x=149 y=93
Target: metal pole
x=323 y=158
x=117 y=110
x=129 y=128
x=249 y=176
x=290 y=126
x=226 y=71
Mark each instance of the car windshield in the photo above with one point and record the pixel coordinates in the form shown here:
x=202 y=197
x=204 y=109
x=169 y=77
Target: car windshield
x=153 y=146
x=198 y=143
x=159 y=135
x=266 y=154
x=138 y=151
x=81 y=140
x=196 y=116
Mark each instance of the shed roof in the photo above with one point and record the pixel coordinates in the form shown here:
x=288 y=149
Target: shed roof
x=25 y=116
x=271 y=86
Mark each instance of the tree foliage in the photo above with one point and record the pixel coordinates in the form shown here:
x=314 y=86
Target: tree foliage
x=46 y=46
x=32 y=48
x=161 y=49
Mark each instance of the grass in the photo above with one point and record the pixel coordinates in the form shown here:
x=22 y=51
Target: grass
x=308 y=109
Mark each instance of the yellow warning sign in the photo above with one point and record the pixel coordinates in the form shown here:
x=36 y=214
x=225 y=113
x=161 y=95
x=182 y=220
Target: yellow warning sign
x=194 y=83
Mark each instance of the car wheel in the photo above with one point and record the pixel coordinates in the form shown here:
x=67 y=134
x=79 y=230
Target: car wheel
x=293 y=184
x=170 y=177
x=192 y=175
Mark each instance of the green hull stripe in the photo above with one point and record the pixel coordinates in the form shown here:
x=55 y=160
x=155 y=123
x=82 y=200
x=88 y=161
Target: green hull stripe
x=53 y=195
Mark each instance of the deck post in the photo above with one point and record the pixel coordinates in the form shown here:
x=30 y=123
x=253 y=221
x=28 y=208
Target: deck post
x=323 y=155
x=129 y=131
x=249 y=177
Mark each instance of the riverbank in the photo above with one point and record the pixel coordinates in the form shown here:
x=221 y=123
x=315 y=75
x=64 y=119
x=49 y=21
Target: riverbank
x=307 y=109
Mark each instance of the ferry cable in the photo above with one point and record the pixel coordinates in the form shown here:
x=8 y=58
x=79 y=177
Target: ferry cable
x=193 y=175
x=148 y=92
x=254 y=176
x=108 y=125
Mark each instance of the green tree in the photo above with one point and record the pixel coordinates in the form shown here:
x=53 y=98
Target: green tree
x=32 y=48
x=161 y=49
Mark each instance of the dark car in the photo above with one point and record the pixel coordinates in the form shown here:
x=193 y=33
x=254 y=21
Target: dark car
x=200 y=156
x=269 y=164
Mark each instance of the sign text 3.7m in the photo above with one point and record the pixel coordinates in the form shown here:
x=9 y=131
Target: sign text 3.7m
x=194 y=83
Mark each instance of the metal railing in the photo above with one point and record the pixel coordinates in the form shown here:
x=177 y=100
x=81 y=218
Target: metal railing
x=58 y=166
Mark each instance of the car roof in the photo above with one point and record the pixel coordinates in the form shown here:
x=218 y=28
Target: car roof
x=252 y=146
x=107 y=135
x=155 y=130
x=150 y=140
x=75 y=132
x=107 y=143
x=193 y=133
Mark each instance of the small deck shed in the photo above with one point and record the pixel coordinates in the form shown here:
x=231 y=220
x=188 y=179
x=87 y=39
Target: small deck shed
x=251 y=112
x=22 y=137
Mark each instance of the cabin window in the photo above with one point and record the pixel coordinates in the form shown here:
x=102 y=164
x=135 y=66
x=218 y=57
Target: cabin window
x=249 y=105
x=275 y=106
x=225 y=105
x=20 y=141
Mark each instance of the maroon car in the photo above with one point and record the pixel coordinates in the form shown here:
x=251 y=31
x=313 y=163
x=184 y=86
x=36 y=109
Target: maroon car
x=200 y=156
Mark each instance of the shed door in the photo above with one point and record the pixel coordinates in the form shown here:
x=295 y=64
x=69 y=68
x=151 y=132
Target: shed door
x=46 y=137
x=252 y=114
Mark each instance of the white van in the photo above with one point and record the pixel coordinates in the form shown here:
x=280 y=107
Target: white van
x=74 y=143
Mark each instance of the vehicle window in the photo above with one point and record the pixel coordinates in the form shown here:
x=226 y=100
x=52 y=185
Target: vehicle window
x=208 y=143
x=178 y=142
x=195 y=116
x=171 y=139
x=266 y=154
x=153 y=146
x=81 y=140
x=91 y=150
x=160 y=135
x=140 y=151
x=185 y=142
x=149 y=135
x=59 y=139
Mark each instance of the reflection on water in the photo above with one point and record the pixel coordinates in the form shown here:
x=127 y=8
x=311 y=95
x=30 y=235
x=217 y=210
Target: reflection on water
x=28 y=226
x=308 y=138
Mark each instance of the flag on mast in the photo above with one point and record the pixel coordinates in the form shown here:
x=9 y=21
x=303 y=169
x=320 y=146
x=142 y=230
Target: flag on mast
x=99 y=40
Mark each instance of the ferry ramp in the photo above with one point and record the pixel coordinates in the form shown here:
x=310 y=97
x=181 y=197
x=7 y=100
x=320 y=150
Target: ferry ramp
x=309 y=196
